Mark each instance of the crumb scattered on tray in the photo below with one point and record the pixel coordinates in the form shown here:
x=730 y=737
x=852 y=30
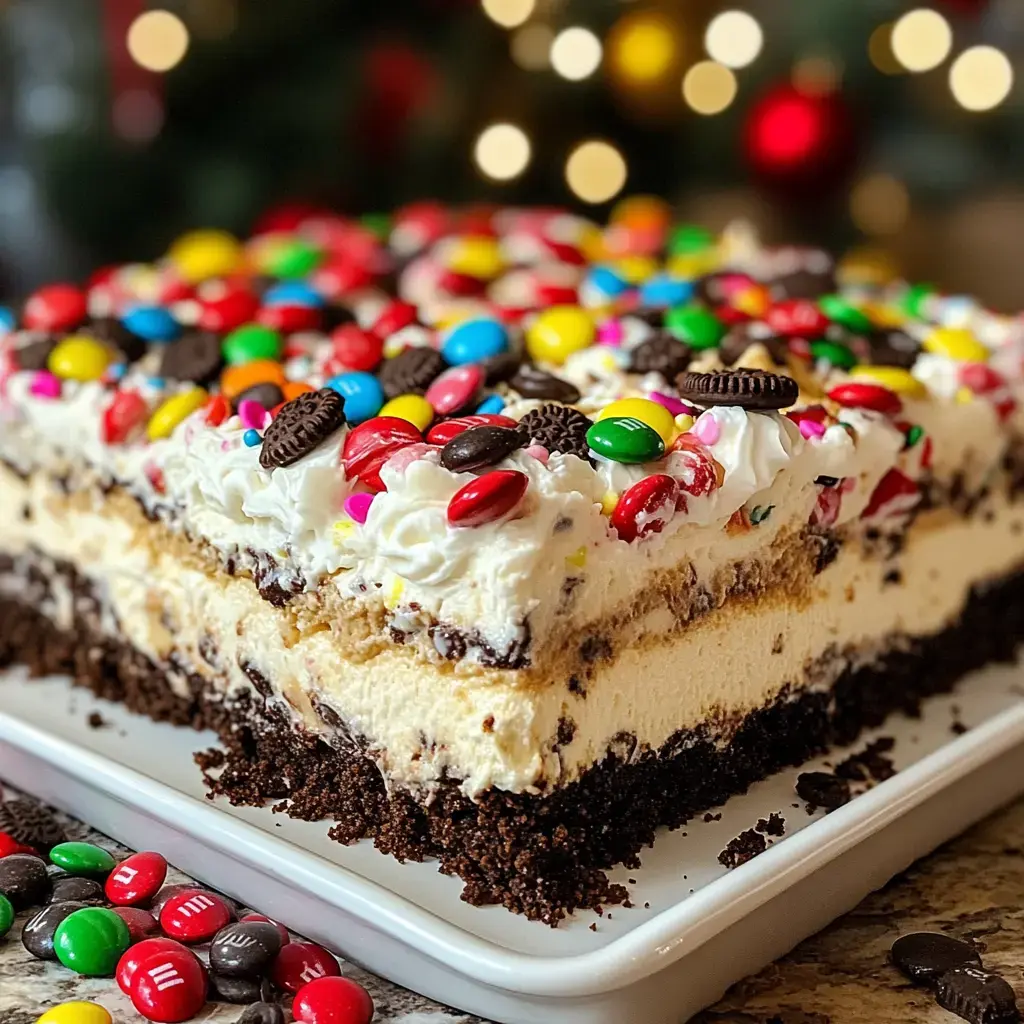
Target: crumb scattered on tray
x=96 y=721
x=712 y=817
x=744 y=847
x=773 y=825
x=870 y=764
x=822 y=789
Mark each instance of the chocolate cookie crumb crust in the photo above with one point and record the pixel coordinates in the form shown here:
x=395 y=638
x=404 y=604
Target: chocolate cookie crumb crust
x=542 y=856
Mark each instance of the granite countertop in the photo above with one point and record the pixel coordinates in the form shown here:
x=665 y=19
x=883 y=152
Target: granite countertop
x=971 y=888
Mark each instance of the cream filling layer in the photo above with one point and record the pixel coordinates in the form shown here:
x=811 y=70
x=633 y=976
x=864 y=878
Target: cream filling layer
x=485 y=726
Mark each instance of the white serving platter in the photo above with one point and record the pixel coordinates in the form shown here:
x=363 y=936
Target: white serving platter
x=704 y=928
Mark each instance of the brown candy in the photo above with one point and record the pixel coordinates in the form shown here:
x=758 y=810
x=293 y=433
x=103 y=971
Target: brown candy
x=195 y=356
x=300 y=426
x=268 y=394
x=533 y=383
x=480 y=446
x=661 y=354
x=410 y=372
x=749 y=389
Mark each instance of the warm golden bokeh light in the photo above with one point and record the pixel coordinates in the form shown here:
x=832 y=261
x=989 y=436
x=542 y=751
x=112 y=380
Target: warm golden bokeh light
x=981 y=78
x=734 y=38
x=508 y=13
x=879 y=204
x=643 y=47
x=531 y=46
x=921 y=39
x=502 y=151
x=709 y=87
x=575 y=53
x=880 y=50
x=595 y=171
x=157 y=40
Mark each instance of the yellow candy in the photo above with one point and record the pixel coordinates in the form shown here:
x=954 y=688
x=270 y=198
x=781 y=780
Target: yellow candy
x=692 y=264
x=79 y=358
x=476 y=256
x=173 y=411
x=591 y=243
x=964 y=396
x=413 y=409
x=207 y=253
x=394 y=594
x=635 y=269
x=657 y=417
x=75 y=1013
x=344 y=528
x=885 y=316
x=608 y=502
x=578 y=558
x=683 y=422
x=957 y=343
x=558 y=332
x=903 y=382
x=752 y=301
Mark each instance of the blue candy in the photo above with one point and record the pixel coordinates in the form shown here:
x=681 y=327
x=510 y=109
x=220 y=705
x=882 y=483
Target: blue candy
x=154 y=323
x=662 y=290
x=491 y=404
x=8 y=321
x=292 y=293
x=606 y=280
x=362 y=393
x=251 y=438
x=474 y=341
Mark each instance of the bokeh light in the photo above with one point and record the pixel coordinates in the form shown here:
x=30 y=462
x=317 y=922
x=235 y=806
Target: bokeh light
x=921 y=39
x=157 y=40
x=575 y=53
x=880 y=50
x=879 y=204
x=643 y=47
x=981 y=78
x=531 y=46
x=508 y=13
x=734 y=38
x=595 y=171
x=502 y=151
x=709 y=87
x=817 y=74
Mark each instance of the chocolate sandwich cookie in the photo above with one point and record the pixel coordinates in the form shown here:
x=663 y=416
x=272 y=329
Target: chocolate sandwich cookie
x=300 y=426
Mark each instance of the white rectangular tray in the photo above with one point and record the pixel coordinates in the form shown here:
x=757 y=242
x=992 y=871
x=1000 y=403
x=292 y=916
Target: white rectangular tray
x=704 y=929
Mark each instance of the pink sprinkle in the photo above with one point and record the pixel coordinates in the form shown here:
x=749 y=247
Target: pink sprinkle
x=676 y=406
x=252 y=414
x=45 y=385
x=358 y=506
x=538 y=452
x=811 y=428
x=610 y=333
x=707 y=429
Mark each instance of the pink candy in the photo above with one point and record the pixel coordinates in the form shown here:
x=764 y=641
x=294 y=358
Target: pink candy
x=707 y=429
x=538 y=452
x=676 y=406
x=455 y=388
x=45 y=385
x=610 y=333
x=252 y=414
x=358 y=506
x=811 y=428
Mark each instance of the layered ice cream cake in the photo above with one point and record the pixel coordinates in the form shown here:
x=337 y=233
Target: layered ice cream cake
x=501 y=537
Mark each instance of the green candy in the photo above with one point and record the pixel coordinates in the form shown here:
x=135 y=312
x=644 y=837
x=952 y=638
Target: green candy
x=251 y=342
x=913 y=299
x=90 y=941
x=82 y=859
x=6 y=915
x=833 y=354
x=698 y=327
x=378 y=223
x=294 y=259
x=839 y=311
x=687 y=239
x=625 y=439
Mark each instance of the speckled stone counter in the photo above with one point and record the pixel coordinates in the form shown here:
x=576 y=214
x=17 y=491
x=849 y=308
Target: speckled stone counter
x=972 y=888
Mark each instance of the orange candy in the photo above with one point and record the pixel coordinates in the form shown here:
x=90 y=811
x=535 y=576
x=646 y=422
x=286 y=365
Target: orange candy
x=236 y=379
x=294 y=388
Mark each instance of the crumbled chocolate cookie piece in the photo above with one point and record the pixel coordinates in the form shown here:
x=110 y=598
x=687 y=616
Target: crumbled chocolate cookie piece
x=559 y=428
x=31 y=824
x=410 y=372
x=661 y=354
x=977 y=995
x=746 y=846
x=822 y=789
x=195 y=356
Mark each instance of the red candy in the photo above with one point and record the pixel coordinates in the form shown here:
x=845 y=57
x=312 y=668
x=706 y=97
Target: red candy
x=462 y=285
x=455 y=388
x=169 y=986
x=393 y=318
x=441 y=433
x=135 y=955
x=371 y=444
x=218 y=409
x=194 y=916
x=895 y=495
x=855 y=395
x=228 y=311
x=57 y=307
x=141 y=923
x=128 y=411
x=289 y=319
x=796 y=318
x=355 y=349
x=701 y=469
x=281 y=930
x=487 y=498
x=136 y=879
x=9 y=845
x=299 y=963
x=332 y=1001
x=339 y=276
x=645 y=507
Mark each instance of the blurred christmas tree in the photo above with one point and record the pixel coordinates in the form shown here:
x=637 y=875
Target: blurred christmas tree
x=848 y=120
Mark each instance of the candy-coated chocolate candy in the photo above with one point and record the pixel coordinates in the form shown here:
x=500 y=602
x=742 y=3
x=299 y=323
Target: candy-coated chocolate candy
x=625 y=439
x=956 y=343
x=895 y=495
x=81 y=890
x=664 y=290
x=127 y=412
x=645 y=507
x=559 y=331
x=414 y=408
x=340 y=275
x=686 y=239
x=244 y=949
x=473 y=341
x=173 y=411
x=249 y=343
x=281 y=930
x=487 y=498
x=841 y=311
x=393 y=318
x=332 y=1001
x=236 y=380
x=356 y=349
x=234 y=308
x=206 y=253
x=38 y=934
x=79 y=357
x=241 y=990
x=218 y=409
x=262 y=1013
x=655 y=415
x=701 y=473
x=606 y=282
x=136 y=879
x=153 y=323
x=135 y=955
x=292 y=293
x=362 y=393
x=23 y=880
x=856 y=395
x=82 y=859
x=915 y=299
x=194 y=916
x=168 y=987
x=369 y=445
x=481 y=446
x=75 y=1012
x=141 y=923
x=796 y=318
x=90 y=941
x=299 y=963
x=57 y=307
x=895 y=378
x=490 y=406
x=6 y=915
x=455 y=389
x=697 y=327
x=290 y=319
x=46 y=385
x=833 y=353
x=293 y=258
x=441 y=433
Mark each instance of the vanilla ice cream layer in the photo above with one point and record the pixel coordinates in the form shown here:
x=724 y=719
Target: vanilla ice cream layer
x=497 y=728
